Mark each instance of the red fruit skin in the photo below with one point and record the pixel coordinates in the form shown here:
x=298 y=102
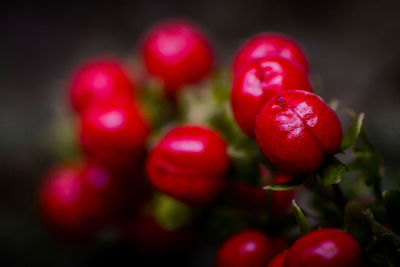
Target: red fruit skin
x=149 y=237
x=281 y=200
x=67 y=207
x=114 y=134
x=280 y=244
x=278 y=260
x=258 y=82
x=177 y=53
x=295 y=130
x=269 y=45
x=248 y=248
x=248 y=196
x=324 y=247
x=99 y=81
x=257 y=199
x=189 y=164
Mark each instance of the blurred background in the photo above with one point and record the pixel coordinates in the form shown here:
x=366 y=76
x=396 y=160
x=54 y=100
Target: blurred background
x=353 y=48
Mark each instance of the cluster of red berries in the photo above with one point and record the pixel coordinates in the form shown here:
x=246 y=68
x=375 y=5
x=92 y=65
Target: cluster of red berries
x=323 y=247
x=272 y=101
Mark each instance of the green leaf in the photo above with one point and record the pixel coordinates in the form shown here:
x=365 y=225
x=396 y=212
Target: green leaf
x=288 y=185
x=353 y=132
x=360 y=222
x=392 y=206
x=357 y=223
x=331 y=171
x=300 y=218
x=370 y=164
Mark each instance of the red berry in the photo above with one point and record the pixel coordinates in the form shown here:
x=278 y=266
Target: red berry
x=150 y=237
x=278 y=260
x=177 y=53
x=249 y=248
x=114 y=134
x=296 y=129
x=250 y=197
x=281 y=200
x=189 y=164
x=258 y=82
x=67 y=206
x=99 y=81
x=269 y=45
x=324 y=247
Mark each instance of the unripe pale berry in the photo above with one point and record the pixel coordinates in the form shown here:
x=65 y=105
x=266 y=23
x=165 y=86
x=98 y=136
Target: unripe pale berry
x=248 y=248
x=114 y=134
x=258 y=82
x=189 y=164
x=99 y=81
x=177 y=53
x=269 y=45
x=324 y=247
x=278 y=260
x=295 y=129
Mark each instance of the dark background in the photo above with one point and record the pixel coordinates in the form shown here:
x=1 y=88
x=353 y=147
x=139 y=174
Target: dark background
x=353 y=48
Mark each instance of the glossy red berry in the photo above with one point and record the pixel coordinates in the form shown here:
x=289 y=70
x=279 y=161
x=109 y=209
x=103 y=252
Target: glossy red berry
x=66 y=206
x=278 y=260
x=177 y=53
x=296 y=129
x=99 y=81
x=258 y=82
x=269 y=45
x=114 y=134
x=324 y=247
x=249 y=248
x=189 y=164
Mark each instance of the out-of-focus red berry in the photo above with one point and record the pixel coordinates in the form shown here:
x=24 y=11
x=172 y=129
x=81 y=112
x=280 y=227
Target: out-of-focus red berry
x=189 y=164
x=114 y=134
x=258 y=82
x=149 y=237
x=99 y=81
x=177 y=53
x=66 y=206
x=295 y=129
x=251 y=197
x=269 y=45
x=278 y=260
x=280 y=244
x=324 y=247
x=281 y=200
x=250 y=248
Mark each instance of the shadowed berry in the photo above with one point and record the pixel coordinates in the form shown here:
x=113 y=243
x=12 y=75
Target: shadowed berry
x=248 y=248
x=67 y=206
x=278 y=260
x=281 y=200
